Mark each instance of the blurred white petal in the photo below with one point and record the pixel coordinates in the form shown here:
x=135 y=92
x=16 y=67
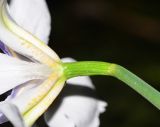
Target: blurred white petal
x=76 y=110
x=22 y=41
x=14 y=72
x=12 y=114
x=33 y=16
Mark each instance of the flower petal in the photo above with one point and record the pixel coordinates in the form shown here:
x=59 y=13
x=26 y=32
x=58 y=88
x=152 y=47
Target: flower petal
x=3 y=48
x=32 y=115
x=76 y=110
x=12 y=114
x=33 y=102
x=14 y=72
x=29 y=97
x=33 y=16
x=34 y=94
x=22 y=41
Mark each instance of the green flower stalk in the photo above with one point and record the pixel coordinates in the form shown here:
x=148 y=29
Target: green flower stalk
x=109 y=69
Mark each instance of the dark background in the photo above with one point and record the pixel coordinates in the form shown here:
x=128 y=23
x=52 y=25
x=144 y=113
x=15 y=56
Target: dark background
x=126 y=32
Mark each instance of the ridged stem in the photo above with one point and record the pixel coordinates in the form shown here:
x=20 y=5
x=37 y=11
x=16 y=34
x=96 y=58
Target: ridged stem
x=88 y=68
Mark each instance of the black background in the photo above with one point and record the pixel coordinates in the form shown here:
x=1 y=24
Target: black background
x=126 y=32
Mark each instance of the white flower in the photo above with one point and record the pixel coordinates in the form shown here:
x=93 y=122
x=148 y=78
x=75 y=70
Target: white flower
x=35 y=75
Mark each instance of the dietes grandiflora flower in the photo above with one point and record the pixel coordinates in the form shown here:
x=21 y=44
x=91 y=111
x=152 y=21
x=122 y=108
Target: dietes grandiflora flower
x=42 y=75
x=38 y=69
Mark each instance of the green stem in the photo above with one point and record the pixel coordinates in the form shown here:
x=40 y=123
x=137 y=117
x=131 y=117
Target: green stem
x=88 y=68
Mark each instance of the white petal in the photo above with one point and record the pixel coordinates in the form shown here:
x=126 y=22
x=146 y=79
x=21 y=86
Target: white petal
x=43 y=105
x=68 y=59
x=33 y=16
x=22 y=41
x=76 y=110
x=31 y=96
x=14 y=72
x=11 y=113
x=35 y=97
